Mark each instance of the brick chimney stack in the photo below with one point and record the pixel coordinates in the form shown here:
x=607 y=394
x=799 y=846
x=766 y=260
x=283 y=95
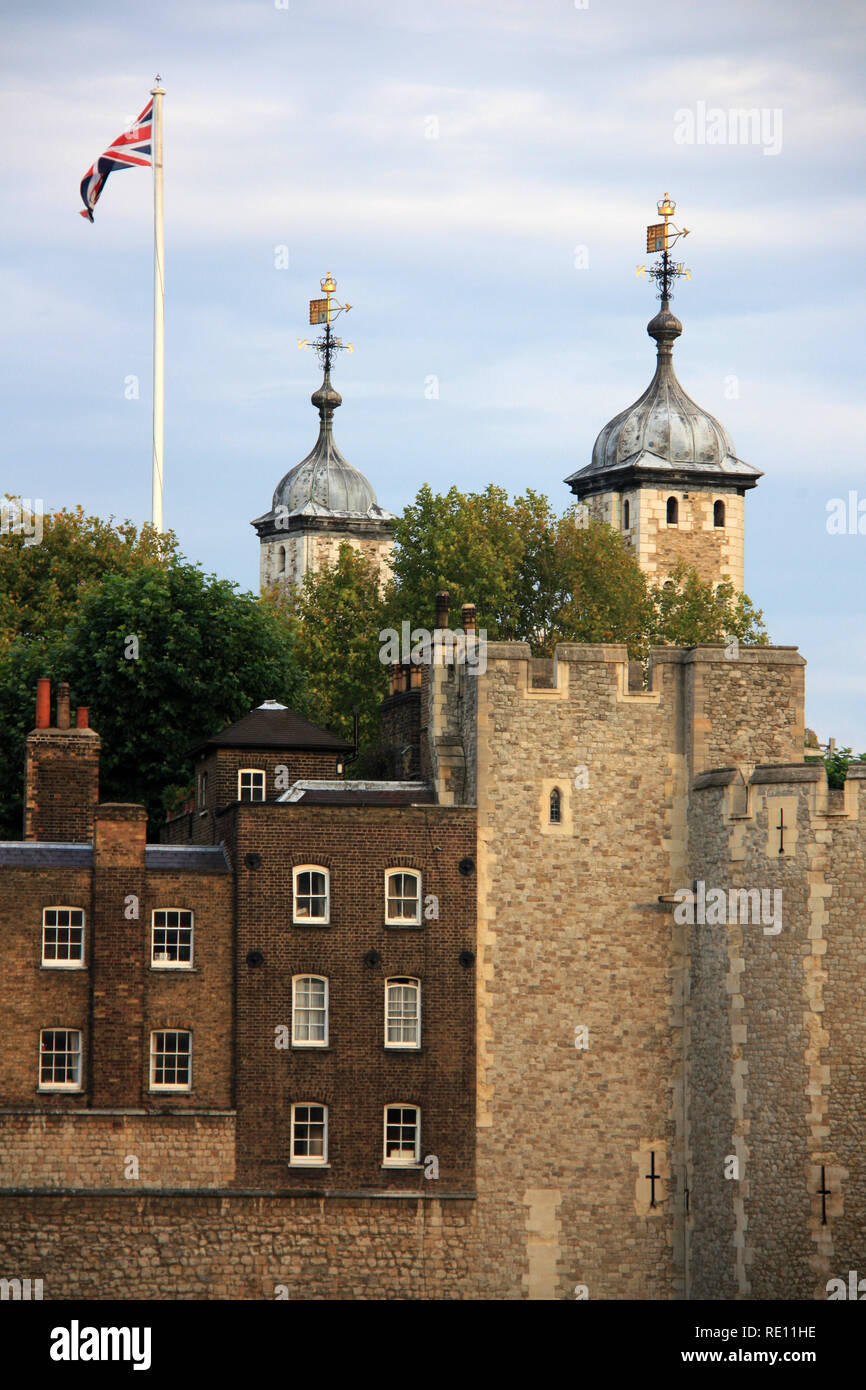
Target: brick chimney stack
x=63 y=705
x=442 y=601
x=61 y=773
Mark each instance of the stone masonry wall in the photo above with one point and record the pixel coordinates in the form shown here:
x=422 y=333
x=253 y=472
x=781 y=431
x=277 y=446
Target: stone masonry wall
x=229 y=1246
x=94 y=1149
x=715 y=551
x=571 y=935
x=777 y=1068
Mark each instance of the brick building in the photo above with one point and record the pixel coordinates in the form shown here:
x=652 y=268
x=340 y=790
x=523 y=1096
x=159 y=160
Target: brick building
x=279 y=995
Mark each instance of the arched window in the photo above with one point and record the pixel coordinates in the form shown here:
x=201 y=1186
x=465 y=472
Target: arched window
x=309 y=1136
x=673 y=510
x=251 y=784
x=171 y=938
x=402 y=898
x=311 y=894
x=402 y=1012
x=309 y=1011
x=626 y=516
x=63 y=937
x=281 y=560
x=718 y=513
x=402 y=1136
x=555 y=806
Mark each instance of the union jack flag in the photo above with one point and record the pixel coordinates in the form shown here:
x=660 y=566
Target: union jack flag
x=130 y=149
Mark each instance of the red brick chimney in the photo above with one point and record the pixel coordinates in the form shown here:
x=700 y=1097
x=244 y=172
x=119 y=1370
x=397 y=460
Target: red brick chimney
x=61 y=773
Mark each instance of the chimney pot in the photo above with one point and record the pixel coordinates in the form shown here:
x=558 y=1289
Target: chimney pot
x=43 y=703
x=63 y=705
x=81 y=717
x=442 y=601
x=467 y=614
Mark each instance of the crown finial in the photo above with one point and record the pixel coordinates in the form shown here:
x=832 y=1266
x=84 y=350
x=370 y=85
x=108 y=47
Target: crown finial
x=324 y=311
x=662 y=236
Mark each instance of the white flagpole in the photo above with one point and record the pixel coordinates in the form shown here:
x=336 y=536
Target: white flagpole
x=157 y=91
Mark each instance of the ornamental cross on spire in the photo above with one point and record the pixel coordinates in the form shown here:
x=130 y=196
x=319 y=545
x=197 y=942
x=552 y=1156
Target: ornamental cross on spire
x=324 y=311
x=663 y=236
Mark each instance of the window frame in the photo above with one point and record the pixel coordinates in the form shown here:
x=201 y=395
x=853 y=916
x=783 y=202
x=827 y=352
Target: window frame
x=676 y=511
x=298 y=921
x=69 y=1086
x=719 y=511
x=402 y=1162
x=173 y=964
x=253 y=772
x=169 y=1087
x=404 y=980
x=551 y=818
x=311 y=1042
x=78 y=963
x=316 y=1160
x=403 y=921
x=201 y=792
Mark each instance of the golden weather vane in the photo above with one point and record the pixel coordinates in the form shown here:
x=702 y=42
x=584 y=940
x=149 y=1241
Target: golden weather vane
x=659 y=238
x=324 y=311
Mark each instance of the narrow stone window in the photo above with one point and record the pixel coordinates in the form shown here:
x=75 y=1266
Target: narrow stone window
x=281 y=560
x=626 y=516
x=555 y=806
x=718 y=513
x=673 y=511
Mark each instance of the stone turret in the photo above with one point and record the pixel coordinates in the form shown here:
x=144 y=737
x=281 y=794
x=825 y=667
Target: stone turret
x=665 y=472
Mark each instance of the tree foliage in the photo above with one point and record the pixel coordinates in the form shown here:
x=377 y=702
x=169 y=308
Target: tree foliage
x=203 y=654
x=541 y=578
x=333 y=622
x=41 y=584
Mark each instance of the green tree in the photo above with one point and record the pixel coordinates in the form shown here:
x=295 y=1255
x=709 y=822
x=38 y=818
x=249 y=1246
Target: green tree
x=467 y=543
x=541 y=578
x=202 y=656
x=333 y=622
x=690 y=610
x=41 y=584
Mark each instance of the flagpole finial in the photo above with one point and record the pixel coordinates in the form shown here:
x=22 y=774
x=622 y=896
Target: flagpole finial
x=157 y=89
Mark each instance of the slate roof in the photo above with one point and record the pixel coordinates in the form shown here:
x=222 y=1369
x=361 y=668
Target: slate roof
x=38 y=854
x=325 y=793
x=275 y=727
x=663 y=435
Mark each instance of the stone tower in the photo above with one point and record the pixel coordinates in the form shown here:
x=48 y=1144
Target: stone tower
x=323 y=500
x=664 y=471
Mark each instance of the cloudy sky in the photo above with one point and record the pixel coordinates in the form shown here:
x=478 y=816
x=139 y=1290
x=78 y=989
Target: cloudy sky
x=478 y=177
